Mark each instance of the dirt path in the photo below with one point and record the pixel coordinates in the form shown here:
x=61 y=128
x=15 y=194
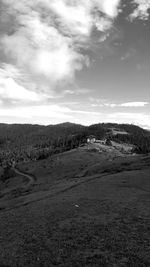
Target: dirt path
x=23 y=187
x=30 y=177
x=25 y=199
x=54 y=192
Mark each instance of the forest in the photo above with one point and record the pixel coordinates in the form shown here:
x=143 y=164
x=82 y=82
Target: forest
x=35 y=142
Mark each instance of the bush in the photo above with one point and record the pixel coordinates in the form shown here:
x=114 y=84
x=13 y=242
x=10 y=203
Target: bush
x=8 y=173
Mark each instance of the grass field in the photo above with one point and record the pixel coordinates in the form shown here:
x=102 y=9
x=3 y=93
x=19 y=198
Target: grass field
x=84 y=209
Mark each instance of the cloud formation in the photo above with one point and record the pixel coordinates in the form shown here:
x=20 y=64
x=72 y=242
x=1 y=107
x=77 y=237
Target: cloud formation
x=125 y=105
x=142 y=9
x=45 y=114
x=129 y=104
x=134 y=104
x=141 y=119
x=43 y=38
x=11 y=90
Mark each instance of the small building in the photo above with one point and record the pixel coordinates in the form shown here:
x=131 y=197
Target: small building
x=102 y=142
x=91 y=139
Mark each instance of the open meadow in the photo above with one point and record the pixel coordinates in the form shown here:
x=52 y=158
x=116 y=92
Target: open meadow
x=84 y=208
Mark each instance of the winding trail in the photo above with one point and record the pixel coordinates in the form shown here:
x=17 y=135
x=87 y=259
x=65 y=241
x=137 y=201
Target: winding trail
x=29 y=176
x=43 y=195
x=63 y=187
x=23 y=189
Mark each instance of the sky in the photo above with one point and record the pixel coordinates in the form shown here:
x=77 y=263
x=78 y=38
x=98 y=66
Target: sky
x=83 y=61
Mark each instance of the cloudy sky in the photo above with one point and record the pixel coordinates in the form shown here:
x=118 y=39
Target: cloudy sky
x=83 y=61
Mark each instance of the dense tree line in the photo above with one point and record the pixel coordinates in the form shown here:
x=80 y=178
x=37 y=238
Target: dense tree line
x=18 y=135
x=137 y=136
x=140 y=141
x=8 y=172
x=35 y=142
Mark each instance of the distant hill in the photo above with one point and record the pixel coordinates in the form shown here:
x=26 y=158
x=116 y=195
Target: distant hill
x=70 y=135
x=12 y=135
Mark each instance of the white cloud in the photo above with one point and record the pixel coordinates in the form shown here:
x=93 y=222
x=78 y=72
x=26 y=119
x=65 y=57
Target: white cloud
x=46 y=37
x=141 y=119
x=125 y=105
x=134 y=104
x=110 y=7
x=11 y=90
x=79 y=16
x=142 y=10
x=111 y=105
x=40 y=50
x=41 y=114
x=45 y=114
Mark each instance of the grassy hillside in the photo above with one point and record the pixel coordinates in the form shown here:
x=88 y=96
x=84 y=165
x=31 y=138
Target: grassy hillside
x=84 y=209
